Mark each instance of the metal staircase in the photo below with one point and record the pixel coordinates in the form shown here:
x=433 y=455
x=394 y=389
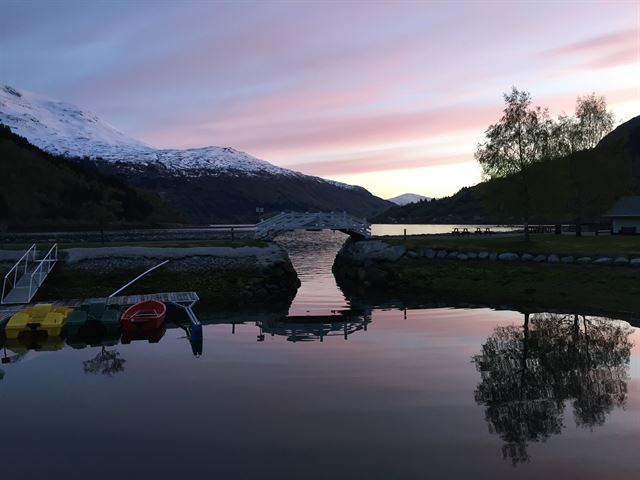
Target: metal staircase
x=286 y=221
x=23 y=280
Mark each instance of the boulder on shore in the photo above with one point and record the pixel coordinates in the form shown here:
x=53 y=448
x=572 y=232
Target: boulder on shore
x=584 y=260
x=428 y=253
x=603 y=261
x=375 y=250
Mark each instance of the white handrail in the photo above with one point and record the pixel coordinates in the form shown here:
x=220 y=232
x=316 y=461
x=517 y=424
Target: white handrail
x=31 y=252
x=42 y=270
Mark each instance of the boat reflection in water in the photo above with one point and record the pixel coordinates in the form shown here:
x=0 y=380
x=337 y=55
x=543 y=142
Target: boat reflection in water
x=530 y=373
x=38 y=340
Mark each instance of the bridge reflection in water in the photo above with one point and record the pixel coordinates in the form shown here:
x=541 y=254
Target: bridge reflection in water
x=311 y=328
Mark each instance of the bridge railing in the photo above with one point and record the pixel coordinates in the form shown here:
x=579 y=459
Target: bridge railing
x=297 y=220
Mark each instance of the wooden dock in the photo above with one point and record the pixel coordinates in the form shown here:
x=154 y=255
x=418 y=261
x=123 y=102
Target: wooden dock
x=182 y=298
x=187 y=299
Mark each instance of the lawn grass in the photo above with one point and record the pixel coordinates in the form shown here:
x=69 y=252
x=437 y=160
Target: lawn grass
x=568 y=287
x=155 y=244
x=604 y=245
x=220 y=288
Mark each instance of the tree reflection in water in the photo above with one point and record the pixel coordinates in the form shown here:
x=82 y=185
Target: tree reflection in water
x=106 y=362
x=530 y=372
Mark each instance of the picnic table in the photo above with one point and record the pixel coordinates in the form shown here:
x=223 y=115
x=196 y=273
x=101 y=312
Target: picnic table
x=457 y=232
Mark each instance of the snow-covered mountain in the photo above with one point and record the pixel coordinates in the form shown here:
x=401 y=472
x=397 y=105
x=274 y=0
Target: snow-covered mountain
x=64 y=129
x=207 y=185
x=407 y=198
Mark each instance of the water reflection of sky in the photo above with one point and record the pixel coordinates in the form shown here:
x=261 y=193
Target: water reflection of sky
x=318 y=294
x=396 y=401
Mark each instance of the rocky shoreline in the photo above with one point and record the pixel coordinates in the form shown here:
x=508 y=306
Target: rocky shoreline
x=373 y=269
x=221 y=276
x=364 y=252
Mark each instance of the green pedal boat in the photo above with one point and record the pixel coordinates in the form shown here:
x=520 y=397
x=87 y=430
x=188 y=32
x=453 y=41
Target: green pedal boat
x=93 y=324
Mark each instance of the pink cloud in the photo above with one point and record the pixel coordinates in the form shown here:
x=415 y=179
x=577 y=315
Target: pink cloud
x=394 y=160
x=361 y=129
x=613 y=40
x=604 y=51
x=621 y=57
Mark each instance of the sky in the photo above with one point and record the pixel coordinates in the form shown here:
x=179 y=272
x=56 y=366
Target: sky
x=390 y=95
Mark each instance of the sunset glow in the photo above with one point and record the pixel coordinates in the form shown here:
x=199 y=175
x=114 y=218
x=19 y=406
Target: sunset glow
x=393 y=96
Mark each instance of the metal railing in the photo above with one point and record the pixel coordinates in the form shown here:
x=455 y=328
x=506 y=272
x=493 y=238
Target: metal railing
x=20 y=268
x=42 y=270
x=295 y=220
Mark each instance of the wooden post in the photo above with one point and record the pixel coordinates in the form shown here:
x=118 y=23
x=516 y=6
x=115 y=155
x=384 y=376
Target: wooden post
x=405 y=233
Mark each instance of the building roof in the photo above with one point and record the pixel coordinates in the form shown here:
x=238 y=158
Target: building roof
x=625 y=207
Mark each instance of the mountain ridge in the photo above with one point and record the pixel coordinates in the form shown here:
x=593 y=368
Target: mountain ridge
x=61 y=128
x=207 y=184
x=407 y=198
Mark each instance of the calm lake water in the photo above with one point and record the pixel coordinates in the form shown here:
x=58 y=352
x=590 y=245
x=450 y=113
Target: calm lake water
x=431 y=229
x=385 y=394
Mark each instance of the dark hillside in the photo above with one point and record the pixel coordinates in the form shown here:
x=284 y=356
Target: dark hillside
x=626 y=138
x=210 y=198
x=581 y=185
x=38 y=189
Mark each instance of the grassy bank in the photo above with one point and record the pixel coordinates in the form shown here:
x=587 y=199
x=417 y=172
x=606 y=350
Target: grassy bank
x=156 y=244
x=219 y=289
x=572 y=287
x=605 y=245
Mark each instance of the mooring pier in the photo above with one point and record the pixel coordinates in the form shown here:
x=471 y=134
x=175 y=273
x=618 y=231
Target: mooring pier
x=185 y=300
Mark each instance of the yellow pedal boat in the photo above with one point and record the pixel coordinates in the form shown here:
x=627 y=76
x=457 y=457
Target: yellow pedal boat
x=42 y=316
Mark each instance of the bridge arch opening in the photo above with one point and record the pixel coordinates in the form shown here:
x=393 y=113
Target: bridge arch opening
x=355 y=227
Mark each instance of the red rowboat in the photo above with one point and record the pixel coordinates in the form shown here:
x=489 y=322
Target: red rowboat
x=147 y=315
x=150 y=335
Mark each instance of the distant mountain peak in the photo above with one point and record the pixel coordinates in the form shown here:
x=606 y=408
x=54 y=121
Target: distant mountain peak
x=64 y=129
x=407 y=198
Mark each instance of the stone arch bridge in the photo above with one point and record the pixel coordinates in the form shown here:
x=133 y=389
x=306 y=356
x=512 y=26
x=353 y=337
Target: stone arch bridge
x=287 y=221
